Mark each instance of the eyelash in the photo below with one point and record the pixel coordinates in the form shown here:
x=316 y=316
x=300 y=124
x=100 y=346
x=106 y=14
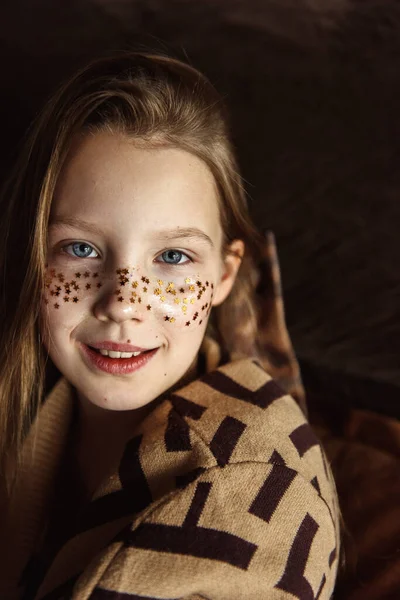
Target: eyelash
x=64 y=249
x=179 y=252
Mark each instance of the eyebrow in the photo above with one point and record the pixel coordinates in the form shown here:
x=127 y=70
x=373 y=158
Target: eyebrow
x=183 y=233
x=164 y=234
x=74 y=222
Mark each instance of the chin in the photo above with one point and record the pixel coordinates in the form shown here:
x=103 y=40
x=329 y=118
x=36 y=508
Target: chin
x=115 y=401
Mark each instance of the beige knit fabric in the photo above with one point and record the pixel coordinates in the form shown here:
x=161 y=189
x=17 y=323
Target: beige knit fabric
x=223 y=493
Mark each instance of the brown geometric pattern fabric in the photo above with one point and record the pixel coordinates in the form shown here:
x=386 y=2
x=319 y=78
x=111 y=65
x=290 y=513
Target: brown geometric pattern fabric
x=266 y=337
x=222 y=493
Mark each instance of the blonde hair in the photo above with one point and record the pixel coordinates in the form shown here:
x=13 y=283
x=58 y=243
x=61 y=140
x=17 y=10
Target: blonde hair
x=157 y=100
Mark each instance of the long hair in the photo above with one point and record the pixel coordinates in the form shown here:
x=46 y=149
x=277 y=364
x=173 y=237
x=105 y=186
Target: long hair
x=158 y=101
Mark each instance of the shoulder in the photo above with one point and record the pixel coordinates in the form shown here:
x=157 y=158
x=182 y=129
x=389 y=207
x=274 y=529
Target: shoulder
x=243 y=415
x=245 y=418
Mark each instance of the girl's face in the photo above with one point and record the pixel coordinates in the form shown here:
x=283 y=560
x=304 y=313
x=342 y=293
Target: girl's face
x=134 y=266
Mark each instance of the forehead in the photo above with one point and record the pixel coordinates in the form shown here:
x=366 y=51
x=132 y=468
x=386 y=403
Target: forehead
x=113 y=183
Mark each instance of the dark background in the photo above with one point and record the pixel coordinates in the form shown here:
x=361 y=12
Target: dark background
x=314 y=90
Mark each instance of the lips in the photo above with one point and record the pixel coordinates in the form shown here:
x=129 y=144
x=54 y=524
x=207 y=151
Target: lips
x=116 y=347
x=116 y=366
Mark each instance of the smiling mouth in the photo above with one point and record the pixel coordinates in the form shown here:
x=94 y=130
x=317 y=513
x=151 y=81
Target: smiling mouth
x=114 y=362
x=116 y=354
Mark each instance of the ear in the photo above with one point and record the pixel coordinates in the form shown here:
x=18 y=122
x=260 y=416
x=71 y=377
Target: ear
x=231 y=264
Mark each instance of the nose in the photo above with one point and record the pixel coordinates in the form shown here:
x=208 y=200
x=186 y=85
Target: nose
x=115 y=305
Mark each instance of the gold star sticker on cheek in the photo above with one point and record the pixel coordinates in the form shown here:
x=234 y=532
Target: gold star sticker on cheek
x=177 y=300
x=160 y=282
x=172 y=320
x=187 y=280
x=145 y=289
x=192 y=300
x=162 y=298
x=191 y=288
x=135 y=284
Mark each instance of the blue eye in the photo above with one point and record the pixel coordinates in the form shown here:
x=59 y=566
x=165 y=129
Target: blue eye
x=173 y=257
x=81 y=250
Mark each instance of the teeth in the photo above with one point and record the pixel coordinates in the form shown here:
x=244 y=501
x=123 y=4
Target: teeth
x=113 y=354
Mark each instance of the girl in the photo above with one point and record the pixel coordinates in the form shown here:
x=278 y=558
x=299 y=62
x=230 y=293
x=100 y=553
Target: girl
x=164 y=461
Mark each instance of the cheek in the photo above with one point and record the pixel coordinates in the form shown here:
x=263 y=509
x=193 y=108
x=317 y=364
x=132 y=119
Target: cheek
x=179 y=300
x=182 y=301
x=66 y=298
x=68 y=288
